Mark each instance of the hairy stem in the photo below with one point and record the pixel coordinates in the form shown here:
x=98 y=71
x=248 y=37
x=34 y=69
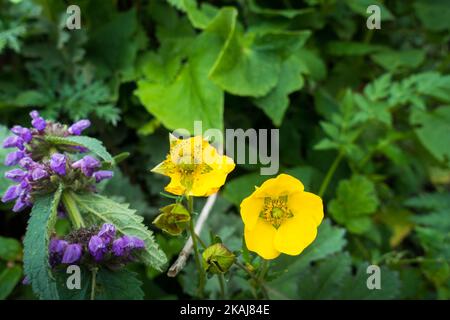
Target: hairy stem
x=201 y=272
x=93 y=282
x=326 y=181
x=72 y=210
x=222 y=286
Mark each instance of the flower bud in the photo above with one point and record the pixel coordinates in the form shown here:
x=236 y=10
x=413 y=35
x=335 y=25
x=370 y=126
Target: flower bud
x=173 y=219
x=217 y=259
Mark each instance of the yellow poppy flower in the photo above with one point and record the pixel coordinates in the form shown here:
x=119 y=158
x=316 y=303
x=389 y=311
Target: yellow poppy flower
x=195 y=167
x=280 y=217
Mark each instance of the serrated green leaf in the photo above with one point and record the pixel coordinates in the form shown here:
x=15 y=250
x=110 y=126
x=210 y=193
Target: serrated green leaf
x=36 y=264
x=433 y=14
x=9 y=278
x=127 y=222
x=434 y=131
x=276 y=102
x=356 y=200
x=94 y=145
x=395 y=60
x=324 y=280
x=250 y=63
x=355 y=287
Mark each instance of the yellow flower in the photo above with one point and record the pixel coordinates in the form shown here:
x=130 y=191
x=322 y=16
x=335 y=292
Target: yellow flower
x=195 y=167
x=280 y=217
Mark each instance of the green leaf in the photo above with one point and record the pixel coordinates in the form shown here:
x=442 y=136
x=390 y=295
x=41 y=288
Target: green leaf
x=127 y=222
x=276 y=102
x=9 y=278
x=36 y=265
x=393 y=60
x=434 y=131
x=330 y=239
x=10 y=249
x=355 y=287
x=433 y=14
x=190 y=96
x=94 y=145
x=356 y=200
x=250 y=64
x=350 y=48
x=324 y=280
x=287 y=13
x=360 y=7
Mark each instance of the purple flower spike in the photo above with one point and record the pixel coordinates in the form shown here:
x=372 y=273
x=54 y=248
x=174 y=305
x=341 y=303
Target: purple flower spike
x=11 y=193
x=123 y=246
x=72 y=253
x=79 y=126
x=107 y=233
x=102 y=175
x=13 y=142
x=38 y=122
x=58 y=163
x=39 y=173
x=97 y=247
x=87 y=165
x=23 y=133
x=14 y=157
x=15 y=175
x=27 y=163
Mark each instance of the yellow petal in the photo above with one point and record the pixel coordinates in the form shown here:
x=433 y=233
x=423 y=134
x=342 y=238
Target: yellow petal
x=306 y=204
x=282 y=185
x=251 y=207
x=295 y=234
x=261 y=240
x=175 y=186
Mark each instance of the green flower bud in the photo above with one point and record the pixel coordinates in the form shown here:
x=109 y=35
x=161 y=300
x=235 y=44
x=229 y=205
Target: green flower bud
x=217 y=259
x=173 y=219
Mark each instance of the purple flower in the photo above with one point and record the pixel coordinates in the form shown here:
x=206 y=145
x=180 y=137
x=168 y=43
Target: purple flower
x=57 y=246
x=102 y=175
x=38 y=122
x=13 y=142
x=58 y=163
x=21 y=203
x=23 y=133
x=27 y=163
x=11 y=193
x=38 y=173
x=15 y=175
x=97 y=247
x=79 y=126
x=72 y=253
x=14 y=157
x=26 y=281
x=124 y=245
x=107 y=233
x=87 y=165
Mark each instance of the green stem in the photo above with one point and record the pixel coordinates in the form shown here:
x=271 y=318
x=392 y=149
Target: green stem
x=202 y=243
x=222 y=286
x=257 y=280
x=201 y=272
x=72 y=210
x=330 y=173
x=93 y=282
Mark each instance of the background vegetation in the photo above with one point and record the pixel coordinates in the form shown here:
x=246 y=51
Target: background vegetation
x=364 y=119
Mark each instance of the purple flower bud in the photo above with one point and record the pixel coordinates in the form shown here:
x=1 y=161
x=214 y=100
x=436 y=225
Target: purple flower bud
x=57 y=246
x=38 y=173
x=27 y=163
x=102 y=175
x=11 y=193
x=87 y=165
x=97 y=247
x=15 y=175
x=107 y=233
x=124 y=245
x=26 y=281
x=79 y=126
x=13 y=142
x=20 y=204
x=72 y=253
x=22 y=132
x=58 y=163
x=14 y=157
x=37 y=122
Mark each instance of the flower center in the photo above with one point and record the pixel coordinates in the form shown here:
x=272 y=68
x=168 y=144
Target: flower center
x=276 y=211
